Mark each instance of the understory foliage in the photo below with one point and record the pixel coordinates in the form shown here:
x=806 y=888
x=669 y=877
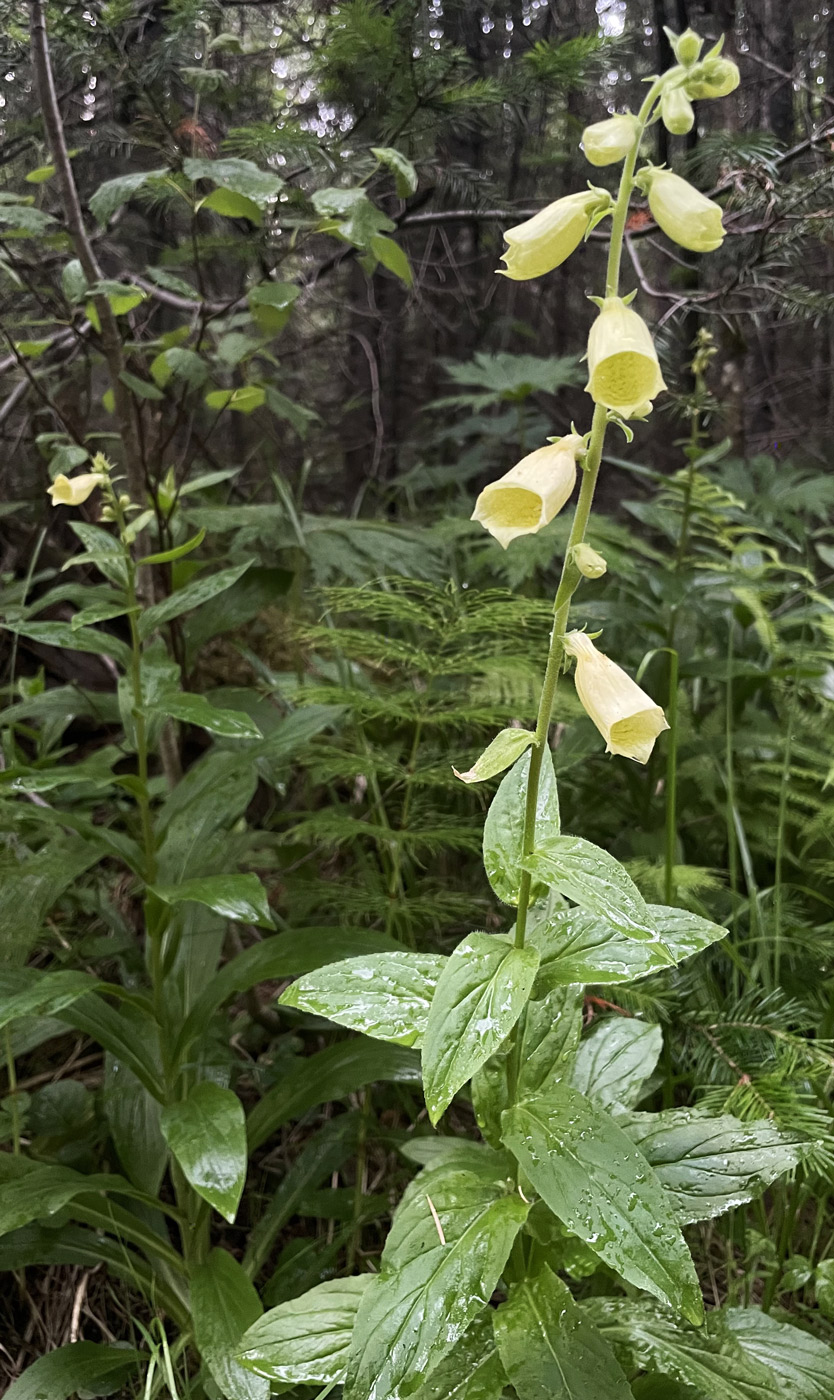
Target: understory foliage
x=368 y=1030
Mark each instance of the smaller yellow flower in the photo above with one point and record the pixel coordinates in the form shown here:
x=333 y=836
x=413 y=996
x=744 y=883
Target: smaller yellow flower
x=715 y=77
x=66 y=491
x=626 y=717
x=549 y=238
x=607 y=142
x=589 y=563
x=684 y=214
x=531 y=493
x=623 y=369
x=676 y=111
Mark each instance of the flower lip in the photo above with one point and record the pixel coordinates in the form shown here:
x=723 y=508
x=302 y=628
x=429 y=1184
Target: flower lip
x=530 y=494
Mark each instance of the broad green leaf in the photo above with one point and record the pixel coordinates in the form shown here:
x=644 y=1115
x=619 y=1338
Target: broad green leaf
x=709 y=1165
x=62 y=634
x=550 y=1350
x=684 y=933
x=196 y=709
x=306 y=1341
x=824 y=1287
x=133 y=1118
x=299 y=417
x=97 y=612
x=458 y=1154
x=223 y=1304
x=195 y=593
x=550 y=1029
x=647 y=1338
x=81 y=1366
x=450 y=1240
x=114 y=193
x=480 y=996
x=579 y=947
x=602 y=1189
x=386 y=995
x=40 y=175
x=30 y=1190
x=233 y=205
x=331 y=1074
x=179 y=365
x=22 y=218
x=392 y=257
x=351 y=214
x=472 y=1370
x=504 y=826
x=74 y=284
x=505 y=748
x=271 y=304
x=405 y=175
x=206 y=1134
x=615 y=1060
x=240 y=897
x=126 y=1030
x=32 y=349
x=101 y=549
x=594 y=880
x=120 y=304
x=142 y=388
x=242 y=176
x=243 y=400
x=801 y=1366
x=285 y=955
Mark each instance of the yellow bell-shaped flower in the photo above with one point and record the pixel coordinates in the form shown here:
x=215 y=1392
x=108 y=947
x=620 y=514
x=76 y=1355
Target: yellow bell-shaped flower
x=623 y=369
x=529 y=495
x=626 y=717
x=609 y=141
x=686 y=215
x=676 y=111
x=66 y=491
x=549 y=238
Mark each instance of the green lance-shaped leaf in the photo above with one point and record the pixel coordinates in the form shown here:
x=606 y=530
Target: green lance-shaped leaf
x=206 y=1133
x=549 y=1039
x=223 y=1304
x=305 y=1341
x=602 y=1188
x=550 y=1350
x=709 y=1165
x=79 y=1367
x=198 y=591
x=505 y=748
x=471 y=1371
x=594 y=880
x=615 y=1060
x=405 y=176
x=577 y=946
x=709 y=1359
x=504 y=827
x=448 y=1246
x=386 y=995
x=480 y=996
x=801 y=1366
x=196 y=709
x=114 y=193
x=240 y=897
x=31 y=1190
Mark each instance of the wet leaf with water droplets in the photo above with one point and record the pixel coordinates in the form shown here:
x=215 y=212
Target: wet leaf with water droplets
x=384 y=995
x=616 y=1059
x=550 y=1350
x=596 y=881
x=602 y=1188
x=480 y=996
x=504 y=826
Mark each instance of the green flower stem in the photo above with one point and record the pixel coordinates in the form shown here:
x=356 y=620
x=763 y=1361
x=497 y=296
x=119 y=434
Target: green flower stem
x=671 y=781
x=570 y=574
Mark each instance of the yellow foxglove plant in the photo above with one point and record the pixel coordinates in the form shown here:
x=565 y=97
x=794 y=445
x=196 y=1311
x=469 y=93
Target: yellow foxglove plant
x=688 y=217
x=548 y=239
x=677 y=112
x=503 y=1013
x=531 y=493
x=623 y=368
x=626 y=717
x=73 y=490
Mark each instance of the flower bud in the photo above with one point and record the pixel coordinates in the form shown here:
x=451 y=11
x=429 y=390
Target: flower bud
x=607 y=142
x=687 y=46
x=73 y=492
x=530 y=493
x=626 y=717
x=623 y=369
x=686 y=215
x=589 y=563
x=549 y=238
x=715 y=77
x=676 y=111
